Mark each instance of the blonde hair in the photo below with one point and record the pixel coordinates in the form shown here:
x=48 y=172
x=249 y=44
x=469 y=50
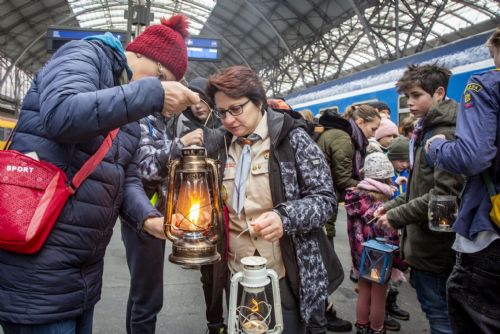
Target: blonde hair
x=365 y=112
x=494 y=40
x=307 y=115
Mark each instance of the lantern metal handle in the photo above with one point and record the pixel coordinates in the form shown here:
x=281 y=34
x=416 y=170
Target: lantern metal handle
x=170 y=203
x=232 y=322
x=214 y=165
x=278 y=327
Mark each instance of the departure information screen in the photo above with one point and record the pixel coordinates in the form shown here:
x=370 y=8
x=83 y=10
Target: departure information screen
x=203 y=49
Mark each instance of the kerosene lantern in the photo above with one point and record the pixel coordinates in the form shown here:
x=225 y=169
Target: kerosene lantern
x=193 y=213
x=376 y=260
x=253 y=315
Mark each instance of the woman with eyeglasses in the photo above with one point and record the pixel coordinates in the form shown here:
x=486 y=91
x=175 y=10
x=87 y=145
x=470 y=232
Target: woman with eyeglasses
x=278 y=192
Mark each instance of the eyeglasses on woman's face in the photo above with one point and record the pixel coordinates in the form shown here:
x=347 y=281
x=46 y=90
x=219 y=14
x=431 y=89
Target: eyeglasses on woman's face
x=234 y=110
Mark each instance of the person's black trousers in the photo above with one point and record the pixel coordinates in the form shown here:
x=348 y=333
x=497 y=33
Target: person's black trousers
x=474 y=292
x=145 y=259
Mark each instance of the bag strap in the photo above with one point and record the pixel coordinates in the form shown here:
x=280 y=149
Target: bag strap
x=89 y=166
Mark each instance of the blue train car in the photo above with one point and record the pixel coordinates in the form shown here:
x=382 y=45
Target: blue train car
x=464 y=58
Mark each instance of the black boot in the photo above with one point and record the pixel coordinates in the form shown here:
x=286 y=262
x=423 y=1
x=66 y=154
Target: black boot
x=392 y=307
x=391 y=324
x=218 y=328
x=335 y=324
x=362 y=329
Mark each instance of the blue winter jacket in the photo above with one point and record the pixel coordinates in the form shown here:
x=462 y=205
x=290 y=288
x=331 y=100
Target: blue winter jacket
x=400 y=189
x=74 y=101
x=473 y=151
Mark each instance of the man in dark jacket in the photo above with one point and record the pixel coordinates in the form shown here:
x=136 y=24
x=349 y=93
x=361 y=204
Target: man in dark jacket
x=74 y=101
x=428 y=252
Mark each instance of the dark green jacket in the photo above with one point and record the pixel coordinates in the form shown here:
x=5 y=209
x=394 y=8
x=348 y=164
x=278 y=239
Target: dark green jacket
x=422 y=248
x=339 y=151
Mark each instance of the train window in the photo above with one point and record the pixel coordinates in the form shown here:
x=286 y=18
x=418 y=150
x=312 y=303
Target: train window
x=402 y=102
x=4 y=133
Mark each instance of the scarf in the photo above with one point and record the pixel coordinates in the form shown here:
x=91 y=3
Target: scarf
x=376 y=186
x=360 y=143
x=417 y=132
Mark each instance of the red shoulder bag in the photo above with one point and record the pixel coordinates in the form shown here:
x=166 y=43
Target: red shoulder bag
x=33 y=194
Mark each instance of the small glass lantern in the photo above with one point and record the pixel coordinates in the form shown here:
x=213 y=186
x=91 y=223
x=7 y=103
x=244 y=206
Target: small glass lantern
x=443 y=210
x=376 y=260
x=193 y=212
x=253 y=314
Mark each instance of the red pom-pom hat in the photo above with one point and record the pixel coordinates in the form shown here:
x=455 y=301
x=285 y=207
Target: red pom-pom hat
x=165 y=43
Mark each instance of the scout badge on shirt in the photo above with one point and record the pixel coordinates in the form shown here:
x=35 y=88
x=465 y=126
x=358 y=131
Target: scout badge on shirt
x=470 y=89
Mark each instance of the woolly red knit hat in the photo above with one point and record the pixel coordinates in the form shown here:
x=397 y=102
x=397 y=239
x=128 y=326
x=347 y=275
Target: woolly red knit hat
x=165 y=43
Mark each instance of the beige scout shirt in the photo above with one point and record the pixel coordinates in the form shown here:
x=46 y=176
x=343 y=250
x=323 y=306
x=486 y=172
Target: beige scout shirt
x=257 y=201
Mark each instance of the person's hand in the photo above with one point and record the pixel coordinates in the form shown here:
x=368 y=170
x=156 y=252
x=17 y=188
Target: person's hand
x=429 y=141
x=176 y=98
x=193 y=138
x=383 y=223
x=379 y=212
x=268 y=226
x=154 y=226
x=400 y=180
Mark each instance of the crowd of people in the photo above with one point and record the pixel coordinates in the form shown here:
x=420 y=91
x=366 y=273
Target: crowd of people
x=283 y=175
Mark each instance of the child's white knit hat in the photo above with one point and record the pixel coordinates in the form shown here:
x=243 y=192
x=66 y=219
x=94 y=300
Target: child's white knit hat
x=378 y=166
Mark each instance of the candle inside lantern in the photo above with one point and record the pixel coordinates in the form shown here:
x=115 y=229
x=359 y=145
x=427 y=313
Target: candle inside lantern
x=194 y=213
x=193 y=208
x=254 y=326
x=375 y=274
x=444 y=222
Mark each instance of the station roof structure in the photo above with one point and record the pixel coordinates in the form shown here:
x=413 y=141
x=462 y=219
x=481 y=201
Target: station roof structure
x=293 y=44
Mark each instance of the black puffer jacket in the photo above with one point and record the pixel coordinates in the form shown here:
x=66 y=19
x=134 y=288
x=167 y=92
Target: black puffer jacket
x=72 y=104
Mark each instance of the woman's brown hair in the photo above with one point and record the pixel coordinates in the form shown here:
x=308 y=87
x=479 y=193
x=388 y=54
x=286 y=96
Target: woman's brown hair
x=237 y=82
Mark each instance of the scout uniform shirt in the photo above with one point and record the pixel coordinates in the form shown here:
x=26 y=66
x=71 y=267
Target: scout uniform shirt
x=257 y=201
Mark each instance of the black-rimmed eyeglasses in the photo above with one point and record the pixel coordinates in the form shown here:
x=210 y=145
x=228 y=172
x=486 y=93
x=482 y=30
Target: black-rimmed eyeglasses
x=234 y=110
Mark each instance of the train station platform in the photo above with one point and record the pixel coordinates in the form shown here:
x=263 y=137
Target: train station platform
x=184 y=307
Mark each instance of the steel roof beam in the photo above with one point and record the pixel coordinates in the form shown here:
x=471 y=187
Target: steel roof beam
x=273 y=28
x=367 y=29
x=35 y=40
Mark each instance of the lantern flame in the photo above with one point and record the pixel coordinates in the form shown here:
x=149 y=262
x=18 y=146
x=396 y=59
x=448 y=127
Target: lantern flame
x=194 y=213
x=255 y=306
